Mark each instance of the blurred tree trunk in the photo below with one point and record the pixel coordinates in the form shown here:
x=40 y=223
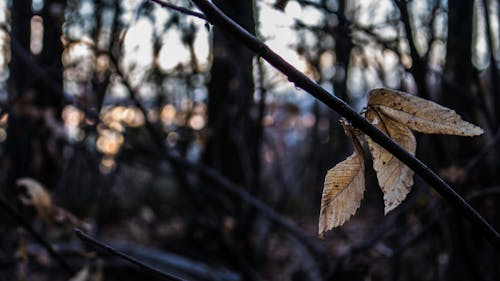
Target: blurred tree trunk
x=419 y=64
x=51 y=96
x=343 y=48
x=458 y=91
x=232 y=145
x=232 y=115
x=458 y=66
x=35 y=95
x=459 y=73
x=18 y=147
x=324 y=153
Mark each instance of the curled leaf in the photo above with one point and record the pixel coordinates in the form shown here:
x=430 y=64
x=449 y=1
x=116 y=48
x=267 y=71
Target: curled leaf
x=343 y=190
x=394 y=177
x=420 y=114
x=38 y=197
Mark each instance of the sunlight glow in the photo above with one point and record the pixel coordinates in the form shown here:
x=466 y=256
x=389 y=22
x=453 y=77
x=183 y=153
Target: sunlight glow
x=36 y=35
x=138 y=50
x=173 y=52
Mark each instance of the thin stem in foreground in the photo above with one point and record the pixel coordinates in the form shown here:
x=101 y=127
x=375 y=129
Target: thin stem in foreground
x=144 y=267
x=215 y=16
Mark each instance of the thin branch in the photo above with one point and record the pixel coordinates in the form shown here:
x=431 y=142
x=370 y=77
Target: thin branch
x=37 y=236
x=180 y=9
x=144 y=267
x=215 y=16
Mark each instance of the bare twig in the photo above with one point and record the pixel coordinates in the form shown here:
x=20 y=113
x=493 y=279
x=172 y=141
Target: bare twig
x=37 y=236
x=215 y=16
x=180 y=9
x=144 y=267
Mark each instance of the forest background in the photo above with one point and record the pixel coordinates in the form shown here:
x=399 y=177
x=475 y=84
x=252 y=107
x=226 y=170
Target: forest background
x=165 y=137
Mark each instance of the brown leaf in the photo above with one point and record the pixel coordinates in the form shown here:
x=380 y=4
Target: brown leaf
x=394 y=177
x=41 y=200
x=38 y=197
x=343 y=190
x=419 y=114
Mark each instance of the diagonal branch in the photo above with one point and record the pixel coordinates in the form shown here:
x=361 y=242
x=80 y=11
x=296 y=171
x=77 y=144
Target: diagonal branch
x=144 y=267
x=215 y=16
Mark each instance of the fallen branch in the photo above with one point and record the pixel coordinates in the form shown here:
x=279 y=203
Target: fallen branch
x=216 y=17
x=174 y=263
x=144 y=267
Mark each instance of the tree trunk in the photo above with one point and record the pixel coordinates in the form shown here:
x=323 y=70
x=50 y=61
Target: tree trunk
x=35 y=95
x=458 y=91
x=233 y=119
x=232 y=145
x=458 y=66
x=458 y=78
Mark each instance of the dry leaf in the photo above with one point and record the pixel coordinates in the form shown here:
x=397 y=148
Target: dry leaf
x=394 y=177
x=343 y=190
x=394 y=113
x=39 y=198
x=82 y=275
x=419 y=114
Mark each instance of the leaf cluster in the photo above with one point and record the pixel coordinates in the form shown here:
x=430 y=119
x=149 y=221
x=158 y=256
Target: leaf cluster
x=396 y=114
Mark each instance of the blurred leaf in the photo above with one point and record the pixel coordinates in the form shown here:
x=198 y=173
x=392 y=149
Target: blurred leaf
x=454 y=174
x=82 y=275
x=37 y=197
x=343 y=190
x=41 y=200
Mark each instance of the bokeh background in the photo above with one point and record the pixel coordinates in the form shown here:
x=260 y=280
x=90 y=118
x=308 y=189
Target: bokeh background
x=163 y=136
